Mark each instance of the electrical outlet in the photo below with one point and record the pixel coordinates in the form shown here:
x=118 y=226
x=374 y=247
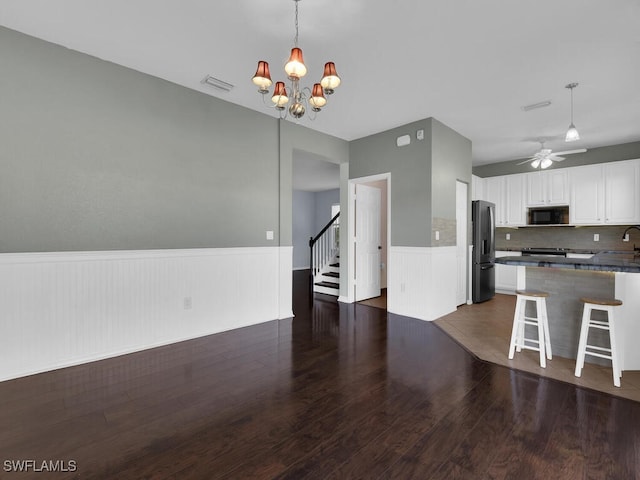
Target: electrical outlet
x=187 y=303
x=508 y=235
x=269 y=234
x=437 y=235
x=596 y=237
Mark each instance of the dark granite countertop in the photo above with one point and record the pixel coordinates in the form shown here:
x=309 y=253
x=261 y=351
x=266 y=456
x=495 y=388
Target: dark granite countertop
x=604 y=262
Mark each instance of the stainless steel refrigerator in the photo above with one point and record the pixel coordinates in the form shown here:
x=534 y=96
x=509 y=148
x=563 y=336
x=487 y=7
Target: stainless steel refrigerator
x=483 y=273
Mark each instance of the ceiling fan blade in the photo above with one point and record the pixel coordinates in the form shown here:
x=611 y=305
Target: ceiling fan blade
x=556 y=159
x=526 y=161
x=569 y=152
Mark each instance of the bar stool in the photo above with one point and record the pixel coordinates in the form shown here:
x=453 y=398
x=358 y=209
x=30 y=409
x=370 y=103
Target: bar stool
x=518 y=335
x=605 y=305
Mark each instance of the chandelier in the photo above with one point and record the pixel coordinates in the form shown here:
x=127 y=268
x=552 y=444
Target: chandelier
x=295 y=69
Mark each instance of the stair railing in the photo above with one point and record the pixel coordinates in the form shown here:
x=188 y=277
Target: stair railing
x=324 y=246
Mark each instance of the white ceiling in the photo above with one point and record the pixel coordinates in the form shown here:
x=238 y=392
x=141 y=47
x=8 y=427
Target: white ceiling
x=470 y=64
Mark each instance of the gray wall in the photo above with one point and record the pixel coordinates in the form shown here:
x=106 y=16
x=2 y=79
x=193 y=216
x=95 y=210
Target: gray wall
x=304 y=226
x=323 y=202
x=293 y=136
x=423 y=178
x=410 y=185
x=311 y=212
x=98 y=157
x=614 y=153
x=451 y=161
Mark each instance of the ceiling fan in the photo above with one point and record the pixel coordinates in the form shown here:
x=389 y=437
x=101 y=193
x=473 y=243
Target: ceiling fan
x=545 y=156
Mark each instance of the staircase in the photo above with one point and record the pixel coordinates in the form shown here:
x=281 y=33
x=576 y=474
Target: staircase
x=325 y=266
x=327 y=281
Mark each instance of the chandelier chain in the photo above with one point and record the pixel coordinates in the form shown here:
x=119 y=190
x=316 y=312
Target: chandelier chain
x=295 y=40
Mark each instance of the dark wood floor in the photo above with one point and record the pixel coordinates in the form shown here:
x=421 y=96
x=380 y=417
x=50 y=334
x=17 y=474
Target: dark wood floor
x=342 y=391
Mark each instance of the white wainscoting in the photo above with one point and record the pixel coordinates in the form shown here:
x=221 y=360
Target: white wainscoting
x=422 y=281
x=62 y=309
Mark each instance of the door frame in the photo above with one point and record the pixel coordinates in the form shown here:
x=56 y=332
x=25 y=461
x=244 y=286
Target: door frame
x=462 y=236
x=351 y=263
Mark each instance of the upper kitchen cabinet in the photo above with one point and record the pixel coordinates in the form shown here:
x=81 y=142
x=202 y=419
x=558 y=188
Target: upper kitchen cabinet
x=508 y=194
x=547 y=187
x=622 y=192
x=605 y=193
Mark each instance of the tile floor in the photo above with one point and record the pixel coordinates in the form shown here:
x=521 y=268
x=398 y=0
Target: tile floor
x=485 y=330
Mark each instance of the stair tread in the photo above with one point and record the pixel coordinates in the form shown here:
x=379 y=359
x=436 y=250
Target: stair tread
x=334 y=265
x=328 y=284
x=331 y=274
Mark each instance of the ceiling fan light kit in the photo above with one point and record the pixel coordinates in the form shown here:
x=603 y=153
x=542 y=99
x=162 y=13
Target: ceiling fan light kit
x=572 y=133
x=295 y=70
x=545 y=157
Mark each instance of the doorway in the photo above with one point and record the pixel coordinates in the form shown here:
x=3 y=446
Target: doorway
x=368 y=228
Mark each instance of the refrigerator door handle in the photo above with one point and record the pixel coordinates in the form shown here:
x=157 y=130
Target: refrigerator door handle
x=492 y=230
x=486 y=267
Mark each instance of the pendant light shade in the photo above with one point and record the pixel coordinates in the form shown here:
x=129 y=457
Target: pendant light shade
x=572 y=133
x=262 y=78
x=330 y=79
x=295 y=67
x=317 y=99
x=280 y=98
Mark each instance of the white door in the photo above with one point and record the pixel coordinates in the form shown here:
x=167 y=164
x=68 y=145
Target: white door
x=367 y=242
x=461 y=242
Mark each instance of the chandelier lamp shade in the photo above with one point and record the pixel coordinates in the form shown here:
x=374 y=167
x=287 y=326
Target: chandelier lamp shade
x=572 y=133
x=300 y=98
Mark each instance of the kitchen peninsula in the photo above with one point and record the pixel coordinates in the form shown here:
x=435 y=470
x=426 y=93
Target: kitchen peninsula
x=606 y=274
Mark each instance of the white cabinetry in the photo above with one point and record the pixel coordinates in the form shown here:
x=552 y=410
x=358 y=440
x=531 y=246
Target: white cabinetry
x=587 y=195
x=605 y=193
x=506 y=275
x=515 y=190
x=494 y=193
x=508 y=194
x=550 y=187
x=622 y=192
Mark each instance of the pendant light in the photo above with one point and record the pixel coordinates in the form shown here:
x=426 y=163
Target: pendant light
x=572 y=134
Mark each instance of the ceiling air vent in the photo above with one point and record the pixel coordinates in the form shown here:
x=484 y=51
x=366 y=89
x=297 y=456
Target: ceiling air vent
x=533 y=106
x=217 y=83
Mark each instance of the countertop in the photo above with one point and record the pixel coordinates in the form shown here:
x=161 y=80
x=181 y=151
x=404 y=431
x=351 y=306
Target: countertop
x=603 y=261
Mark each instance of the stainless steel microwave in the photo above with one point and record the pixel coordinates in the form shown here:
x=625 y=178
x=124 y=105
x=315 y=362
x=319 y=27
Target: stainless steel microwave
x=548 y=216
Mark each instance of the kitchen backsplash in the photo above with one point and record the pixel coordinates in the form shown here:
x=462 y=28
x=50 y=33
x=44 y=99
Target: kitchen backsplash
x=577 y=238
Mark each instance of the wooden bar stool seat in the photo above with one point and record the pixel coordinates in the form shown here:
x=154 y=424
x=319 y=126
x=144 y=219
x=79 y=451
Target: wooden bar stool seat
x=606 y=305
x=519 y=340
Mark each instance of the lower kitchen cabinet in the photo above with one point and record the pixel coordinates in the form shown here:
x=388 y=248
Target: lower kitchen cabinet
x=506 y=275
